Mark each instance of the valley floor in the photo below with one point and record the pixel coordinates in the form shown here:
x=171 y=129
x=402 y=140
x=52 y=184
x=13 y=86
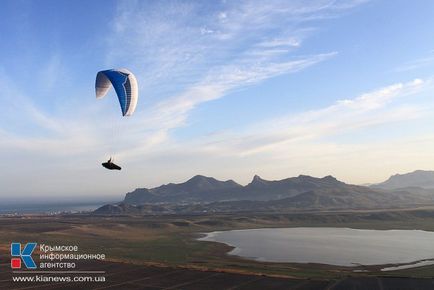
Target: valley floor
x=135 y=245
x=129 y=276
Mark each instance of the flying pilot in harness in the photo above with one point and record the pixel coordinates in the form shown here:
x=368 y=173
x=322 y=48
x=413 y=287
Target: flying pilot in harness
x=110 y=165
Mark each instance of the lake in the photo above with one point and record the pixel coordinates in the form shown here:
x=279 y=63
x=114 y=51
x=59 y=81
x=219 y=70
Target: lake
x=334 y=246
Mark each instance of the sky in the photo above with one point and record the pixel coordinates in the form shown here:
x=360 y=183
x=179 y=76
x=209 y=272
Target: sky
x=227 y=89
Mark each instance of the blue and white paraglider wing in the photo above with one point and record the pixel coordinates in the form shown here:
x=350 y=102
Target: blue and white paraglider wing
x=125 y=85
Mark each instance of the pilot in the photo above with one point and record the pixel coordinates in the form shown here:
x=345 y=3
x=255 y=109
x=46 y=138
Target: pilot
x=110 y=165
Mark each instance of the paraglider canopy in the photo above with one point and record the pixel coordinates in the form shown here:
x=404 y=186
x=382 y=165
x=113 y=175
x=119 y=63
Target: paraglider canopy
x=125 y=85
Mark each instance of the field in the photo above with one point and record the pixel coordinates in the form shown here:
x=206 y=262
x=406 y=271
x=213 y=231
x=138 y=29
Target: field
x=168 y=243
x=128 y=276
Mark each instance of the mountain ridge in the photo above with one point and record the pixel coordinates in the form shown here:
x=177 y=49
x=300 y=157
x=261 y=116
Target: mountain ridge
x=418 y=178
x=201 y=188
x=202 y=194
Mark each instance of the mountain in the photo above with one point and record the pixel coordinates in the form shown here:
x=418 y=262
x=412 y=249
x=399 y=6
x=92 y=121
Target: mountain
x=197 y=189
x=416 y=179
x=260 y=189
x=202 y=194
x=207 y=189
x=207 y=194
x=348 y=197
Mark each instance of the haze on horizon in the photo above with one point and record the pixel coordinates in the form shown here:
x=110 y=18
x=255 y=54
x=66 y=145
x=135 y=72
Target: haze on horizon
x=227 y=89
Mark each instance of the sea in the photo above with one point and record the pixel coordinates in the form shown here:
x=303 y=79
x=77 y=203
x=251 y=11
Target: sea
x=49 y=209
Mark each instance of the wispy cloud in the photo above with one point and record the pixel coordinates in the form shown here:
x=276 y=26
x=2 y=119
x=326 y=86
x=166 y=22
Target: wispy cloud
x=173 y=112
x=237 y=45
x=50 y=74
x=184 y=54
x=305 y=142
x=177 y=42
x=280 y=134
x=422 y=62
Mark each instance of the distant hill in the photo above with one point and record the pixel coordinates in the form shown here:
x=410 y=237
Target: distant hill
x=319 y=199
x=208 y=189
x=416 y=179
x=197 y=189
x=206 y=194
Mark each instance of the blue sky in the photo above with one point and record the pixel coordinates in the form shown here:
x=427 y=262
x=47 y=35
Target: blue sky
x=227 y=89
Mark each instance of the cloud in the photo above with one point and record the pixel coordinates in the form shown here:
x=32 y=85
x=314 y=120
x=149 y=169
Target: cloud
x=205 y=59
x=178 y=42
x=309 y=142
x=184 y=54
x=173 y=112
x=281 y=42
x=22 y=109
x=50 y=74
x=277 y=135
x=422 y=62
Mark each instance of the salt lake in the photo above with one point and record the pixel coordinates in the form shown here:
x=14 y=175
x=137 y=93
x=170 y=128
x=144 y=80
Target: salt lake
x=334 y=246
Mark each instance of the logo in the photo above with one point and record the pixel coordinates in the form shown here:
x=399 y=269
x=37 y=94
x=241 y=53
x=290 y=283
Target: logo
x=24 y=255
